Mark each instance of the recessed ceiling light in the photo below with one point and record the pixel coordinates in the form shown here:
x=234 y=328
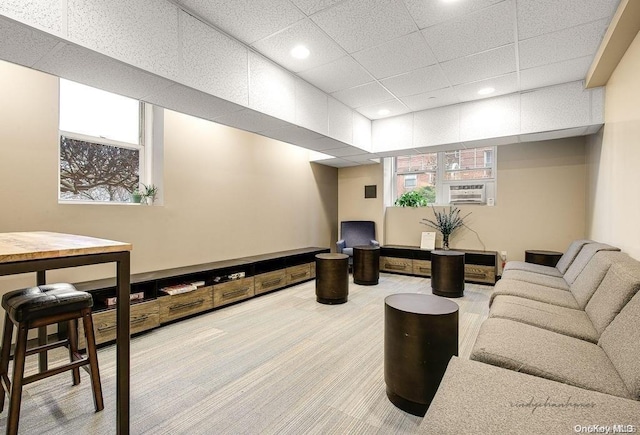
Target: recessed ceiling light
x=384 y=112
x=486 y=91
x=300 y=52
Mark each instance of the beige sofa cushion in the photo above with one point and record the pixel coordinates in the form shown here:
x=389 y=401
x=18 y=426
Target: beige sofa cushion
x=620 y=284
x=476 y=398
x=536 y=278
x=529 y=349
x=567 y=321
x=534 y=292
x=570 y=255
x=582 y=259
x=531 y=267
x=587 y=283
x=621 y=342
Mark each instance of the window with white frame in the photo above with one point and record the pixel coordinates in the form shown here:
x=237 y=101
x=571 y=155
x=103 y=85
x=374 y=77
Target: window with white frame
x=102 y=146
x=433 y=173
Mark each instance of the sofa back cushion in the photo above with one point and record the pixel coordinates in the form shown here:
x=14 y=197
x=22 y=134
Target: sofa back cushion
x=583 y=258
x=592 y=275
x=621 y=342
x=619 y=285
x=570 y=255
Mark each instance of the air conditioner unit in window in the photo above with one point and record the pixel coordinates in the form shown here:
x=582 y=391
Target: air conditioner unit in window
x=467 y=194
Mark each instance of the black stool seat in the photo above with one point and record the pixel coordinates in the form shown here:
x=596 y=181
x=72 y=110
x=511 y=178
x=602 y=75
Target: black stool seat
x=45 y=300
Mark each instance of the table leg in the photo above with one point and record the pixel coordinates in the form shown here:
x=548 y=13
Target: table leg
x=43 y=362
x=123 y=344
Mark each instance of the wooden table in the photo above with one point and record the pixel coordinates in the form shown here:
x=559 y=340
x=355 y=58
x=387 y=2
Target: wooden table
x=544 y=258
x=366 y=265
x=447 y=273
x=41 y=251
x=332 y=278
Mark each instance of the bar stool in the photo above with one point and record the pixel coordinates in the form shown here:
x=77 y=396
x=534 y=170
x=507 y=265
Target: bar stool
x=37 y=307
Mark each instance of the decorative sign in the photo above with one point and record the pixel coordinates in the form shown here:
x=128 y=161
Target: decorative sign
x=428 y=241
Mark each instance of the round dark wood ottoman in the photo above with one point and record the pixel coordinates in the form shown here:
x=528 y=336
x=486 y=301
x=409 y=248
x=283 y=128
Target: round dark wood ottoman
x=420 y=337
x=332 y=278
x=447 y=273
x=545 y=258
x=366 y=265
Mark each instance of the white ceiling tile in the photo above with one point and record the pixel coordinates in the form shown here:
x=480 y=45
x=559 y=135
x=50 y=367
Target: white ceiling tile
x=337 y=163
x=428 y=100
x=365 y=95
x=114 y=28
x=324 y=144
x=362 y=132
x=398 y=56
x=359 y=24
x=312 y=6
x=436 y=126
x=45 y=14
x=344 y=151
x=555 y=73
x=506 y=84
x=481 y=66
x=393 y=133
x=340 y=74
x=278 y=46
x=213 y=62
x=565 y=44
x=340 y=121
x=292 y=134
x=482 y=30
x=537 y=17
x=428 y=13
x=492 y=141
x=556 y=108
x=192 y=102
x=417 y=82
x=79 y=64
x=250 y=120
x=597 y=105
x=311 y=107
x=555 y=134
x=363 y=158
x=272 y=90
x=394 y=108
x=23 y=45
x=246 y=20
x=493 y=117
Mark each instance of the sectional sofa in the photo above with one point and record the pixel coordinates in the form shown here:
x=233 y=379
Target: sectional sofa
x=559 y=353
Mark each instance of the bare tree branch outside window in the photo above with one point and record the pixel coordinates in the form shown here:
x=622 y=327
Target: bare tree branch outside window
x=92 y=171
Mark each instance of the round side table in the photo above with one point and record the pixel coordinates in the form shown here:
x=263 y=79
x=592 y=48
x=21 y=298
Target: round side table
x=447 y=273
x=366 y=265
x=332 y=278
x=545 y=258
x=420 y=337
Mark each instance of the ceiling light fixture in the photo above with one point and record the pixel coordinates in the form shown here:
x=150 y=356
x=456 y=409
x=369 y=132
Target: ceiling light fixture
x=384 y=112
x=486 y=91
x=300 y=52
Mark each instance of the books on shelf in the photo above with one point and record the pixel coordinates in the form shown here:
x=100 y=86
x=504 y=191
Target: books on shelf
x=133 y=297
x=182 y=288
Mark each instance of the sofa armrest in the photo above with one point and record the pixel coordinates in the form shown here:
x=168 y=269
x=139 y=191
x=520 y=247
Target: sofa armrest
x=374 y=243
x=341 y=244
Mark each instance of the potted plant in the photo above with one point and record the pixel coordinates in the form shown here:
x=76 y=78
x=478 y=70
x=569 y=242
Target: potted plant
x=413 y=198
x=136 y=196
x=149 y=193
x=446 y=223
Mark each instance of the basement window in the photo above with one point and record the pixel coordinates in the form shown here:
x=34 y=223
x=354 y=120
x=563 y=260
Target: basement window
x=102 y=148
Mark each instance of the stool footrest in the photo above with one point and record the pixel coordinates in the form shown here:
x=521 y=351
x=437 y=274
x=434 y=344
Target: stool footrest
x=46 y=347
x=55 y=371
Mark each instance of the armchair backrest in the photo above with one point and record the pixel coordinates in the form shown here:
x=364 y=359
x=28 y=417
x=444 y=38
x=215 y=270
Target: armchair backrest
x=356 y=233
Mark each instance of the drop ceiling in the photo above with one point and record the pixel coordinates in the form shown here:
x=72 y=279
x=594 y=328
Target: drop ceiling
x=385 y=58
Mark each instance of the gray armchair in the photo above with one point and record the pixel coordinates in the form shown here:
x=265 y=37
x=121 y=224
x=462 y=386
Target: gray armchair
x=356 y=233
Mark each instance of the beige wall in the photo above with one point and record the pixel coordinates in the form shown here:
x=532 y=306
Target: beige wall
x=614 y=158
x=540 y=202
x=352 y=205
x=227 y=193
